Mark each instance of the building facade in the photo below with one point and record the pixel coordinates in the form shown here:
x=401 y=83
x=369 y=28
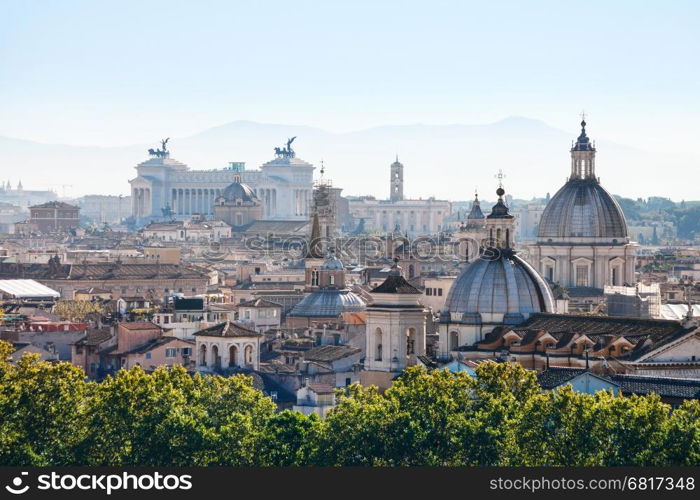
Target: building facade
x=412 y=217
x=227 y=346
x=24 y=198
x=53 y=217
x=100 y=208
x=165 y=186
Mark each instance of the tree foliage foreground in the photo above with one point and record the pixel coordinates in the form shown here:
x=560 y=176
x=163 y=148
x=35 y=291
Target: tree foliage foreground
x=51 y=415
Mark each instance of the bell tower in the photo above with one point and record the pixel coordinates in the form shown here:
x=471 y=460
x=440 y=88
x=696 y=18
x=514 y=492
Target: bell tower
x=396 y=181
x=396 y=329
x=500 y=223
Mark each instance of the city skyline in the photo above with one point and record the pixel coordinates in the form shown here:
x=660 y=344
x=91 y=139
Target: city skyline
x=175 y=69
x=474 y=153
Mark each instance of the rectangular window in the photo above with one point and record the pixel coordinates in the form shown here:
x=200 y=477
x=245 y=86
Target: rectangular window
x=170 y=352
x=148 y=355
x=581 y=275
x=187 y=351
x=439 y=290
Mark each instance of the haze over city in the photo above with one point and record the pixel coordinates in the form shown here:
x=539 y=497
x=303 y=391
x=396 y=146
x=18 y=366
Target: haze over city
x=93 y=74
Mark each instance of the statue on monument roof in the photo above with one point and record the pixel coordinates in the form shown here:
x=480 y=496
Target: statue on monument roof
x=161 y=153
x=286 y=152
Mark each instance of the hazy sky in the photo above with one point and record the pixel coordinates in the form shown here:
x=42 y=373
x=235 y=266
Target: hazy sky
x=122 y=72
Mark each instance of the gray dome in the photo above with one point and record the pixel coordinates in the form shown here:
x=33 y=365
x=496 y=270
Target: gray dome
x=582 y=208
x=327 y=304
x=505 y=284
x=239 y=191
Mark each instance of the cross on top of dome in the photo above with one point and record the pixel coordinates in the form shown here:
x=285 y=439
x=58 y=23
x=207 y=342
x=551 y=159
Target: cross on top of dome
x=583 y=143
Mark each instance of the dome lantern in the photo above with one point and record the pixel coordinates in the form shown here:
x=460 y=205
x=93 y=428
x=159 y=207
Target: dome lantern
x=583 y=156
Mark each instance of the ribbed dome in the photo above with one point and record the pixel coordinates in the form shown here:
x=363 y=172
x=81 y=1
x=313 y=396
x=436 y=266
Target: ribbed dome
x=504 y=284
x=582 y=208
x=239 y=191
x=327 y=304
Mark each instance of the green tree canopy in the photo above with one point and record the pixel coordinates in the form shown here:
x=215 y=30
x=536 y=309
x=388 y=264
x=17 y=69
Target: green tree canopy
x=51 y=415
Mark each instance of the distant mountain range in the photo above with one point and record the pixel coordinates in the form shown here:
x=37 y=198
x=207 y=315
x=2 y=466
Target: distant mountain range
x=445 y=161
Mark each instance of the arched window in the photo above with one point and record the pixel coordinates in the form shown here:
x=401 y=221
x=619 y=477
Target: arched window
x=248 y=354
x=378 y=344
x=411 y=271
x=232 y=355
x=410 y=342
x=203 y=355
x=215 y=358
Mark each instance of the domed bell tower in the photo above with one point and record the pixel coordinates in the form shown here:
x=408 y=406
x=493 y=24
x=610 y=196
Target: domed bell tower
x=500 y=223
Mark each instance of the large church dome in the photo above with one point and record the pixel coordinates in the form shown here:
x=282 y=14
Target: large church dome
x=498 y=283
x=582 y=208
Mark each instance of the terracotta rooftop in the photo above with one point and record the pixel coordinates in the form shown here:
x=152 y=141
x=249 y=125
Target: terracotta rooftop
x=95 y=337
x=321 y=388
x=598 y=325
x=101 y=271
x=139 y=325
x=54 y=204
x=227 y=329
x=259 y=302
x=328 y=353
